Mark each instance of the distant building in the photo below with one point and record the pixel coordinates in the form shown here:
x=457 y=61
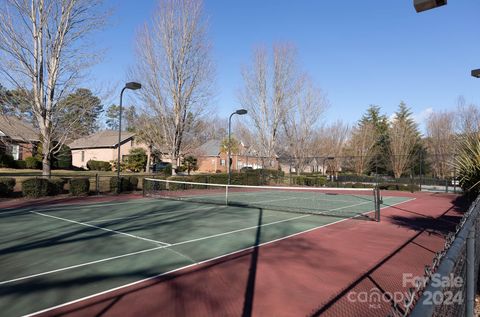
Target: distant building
x=18 y=138
x=211 y=159
x=103 y=146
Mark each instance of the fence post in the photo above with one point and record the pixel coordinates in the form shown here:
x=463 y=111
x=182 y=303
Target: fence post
x=470 y=280
x=97 y=185
x=143 y=186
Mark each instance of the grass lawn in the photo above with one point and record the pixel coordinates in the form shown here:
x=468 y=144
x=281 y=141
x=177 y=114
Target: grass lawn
x=32 y=172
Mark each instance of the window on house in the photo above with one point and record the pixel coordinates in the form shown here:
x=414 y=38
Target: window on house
x=83 y=156
x=222 y=162
x=16 y=151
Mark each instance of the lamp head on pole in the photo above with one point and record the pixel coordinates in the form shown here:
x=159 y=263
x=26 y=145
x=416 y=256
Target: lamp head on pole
x=241 y=111
x=476 y=73
x=424 y=5
x=133 y=85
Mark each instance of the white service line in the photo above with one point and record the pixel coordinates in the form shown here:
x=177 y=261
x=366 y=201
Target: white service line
x=149 y=250
x=195 y=264
x=168 y=247
x=160 y=213
x=80 y=265
x=101 y=228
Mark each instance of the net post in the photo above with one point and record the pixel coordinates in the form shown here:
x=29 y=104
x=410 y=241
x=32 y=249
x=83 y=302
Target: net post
x=97 y=184
x=226 y=195
x=377 y=200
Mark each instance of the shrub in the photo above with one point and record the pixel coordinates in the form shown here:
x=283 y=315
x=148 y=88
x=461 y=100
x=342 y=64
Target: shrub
x=132 y=182
x=79 y=186
x=401 y=187
x=20 y=164
x=127 y=183
x=56 y=186
x=136 y=160
x=6 y=160
x=467 y=162
x=35 y=187
x=32 y=162
x=99 y=165
x=6 y=186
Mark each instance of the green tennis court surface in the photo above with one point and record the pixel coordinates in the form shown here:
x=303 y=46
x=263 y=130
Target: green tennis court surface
x=54 y=255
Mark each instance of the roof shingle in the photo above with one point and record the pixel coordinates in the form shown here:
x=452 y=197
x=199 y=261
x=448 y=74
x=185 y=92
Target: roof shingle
x=101 y=139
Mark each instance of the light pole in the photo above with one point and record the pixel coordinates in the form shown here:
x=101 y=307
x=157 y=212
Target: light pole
x=240 y=112
x=131 y=86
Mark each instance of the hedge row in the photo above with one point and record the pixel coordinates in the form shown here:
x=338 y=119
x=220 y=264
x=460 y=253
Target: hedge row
x=401 y=187
x=7 y=185
x=41 y=187
x=99 y=165
x=302 y=180
x=127 y=183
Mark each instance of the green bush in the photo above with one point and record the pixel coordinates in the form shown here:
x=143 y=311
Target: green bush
x=32 y=162
x=56 y=186
x=20 y=164
x=127 y=183
x=99 y=165
x=35 y=187
x=6 y=160
x=6 y=186
x=79 y=186
x=400 y=187
x=132 y=182
x=302 y=180
x=136 y=160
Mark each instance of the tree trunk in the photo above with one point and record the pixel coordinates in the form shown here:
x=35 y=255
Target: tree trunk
x=46 y=168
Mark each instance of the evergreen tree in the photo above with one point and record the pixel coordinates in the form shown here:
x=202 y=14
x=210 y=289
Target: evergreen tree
x=374 y=117
x=81 y=111
x=129 y=117
x=404 y=143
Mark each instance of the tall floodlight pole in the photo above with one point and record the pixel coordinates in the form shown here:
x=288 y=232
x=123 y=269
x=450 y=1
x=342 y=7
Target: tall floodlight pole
x=131 y=86
x=239 y=112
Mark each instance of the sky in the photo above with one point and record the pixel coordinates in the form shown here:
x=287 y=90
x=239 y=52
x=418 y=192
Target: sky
x=358 y=52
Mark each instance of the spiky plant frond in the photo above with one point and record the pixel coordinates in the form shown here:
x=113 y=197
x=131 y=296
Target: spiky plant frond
x=467 y=162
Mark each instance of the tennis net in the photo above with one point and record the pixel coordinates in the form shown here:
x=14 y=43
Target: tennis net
x=338 y=202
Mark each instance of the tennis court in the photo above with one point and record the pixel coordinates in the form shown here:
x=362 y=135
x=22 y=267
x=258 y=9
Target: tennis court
x=53 y=255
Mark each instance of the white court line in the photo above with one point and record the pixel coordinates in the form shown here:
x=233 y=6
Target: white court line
x=101 y=228
x=80 y=265
x=149 y=250
x=195 y=264
x=160 y=213
x=162 y=247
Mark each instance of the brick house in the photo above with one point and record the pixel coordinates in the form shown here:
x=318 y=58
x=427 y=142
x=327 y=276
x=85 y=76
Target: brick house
x=103 y=146
x=18 y=138
x=211 y=159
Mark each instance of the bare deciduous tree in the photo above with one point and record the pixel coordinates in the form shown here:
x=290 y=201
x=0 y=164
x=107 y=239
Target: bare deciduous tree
x=468 y=117
x=401 y=145
x=330 y=142
x=271 y=86
x=362 y=146
x=175 y=68
x=301 y=123
x=440 y=133
x=43 y=51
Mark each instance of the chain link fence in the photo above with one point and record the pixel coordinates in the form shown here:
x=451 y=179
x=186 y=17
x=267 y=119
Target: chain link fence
x=449 y=284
